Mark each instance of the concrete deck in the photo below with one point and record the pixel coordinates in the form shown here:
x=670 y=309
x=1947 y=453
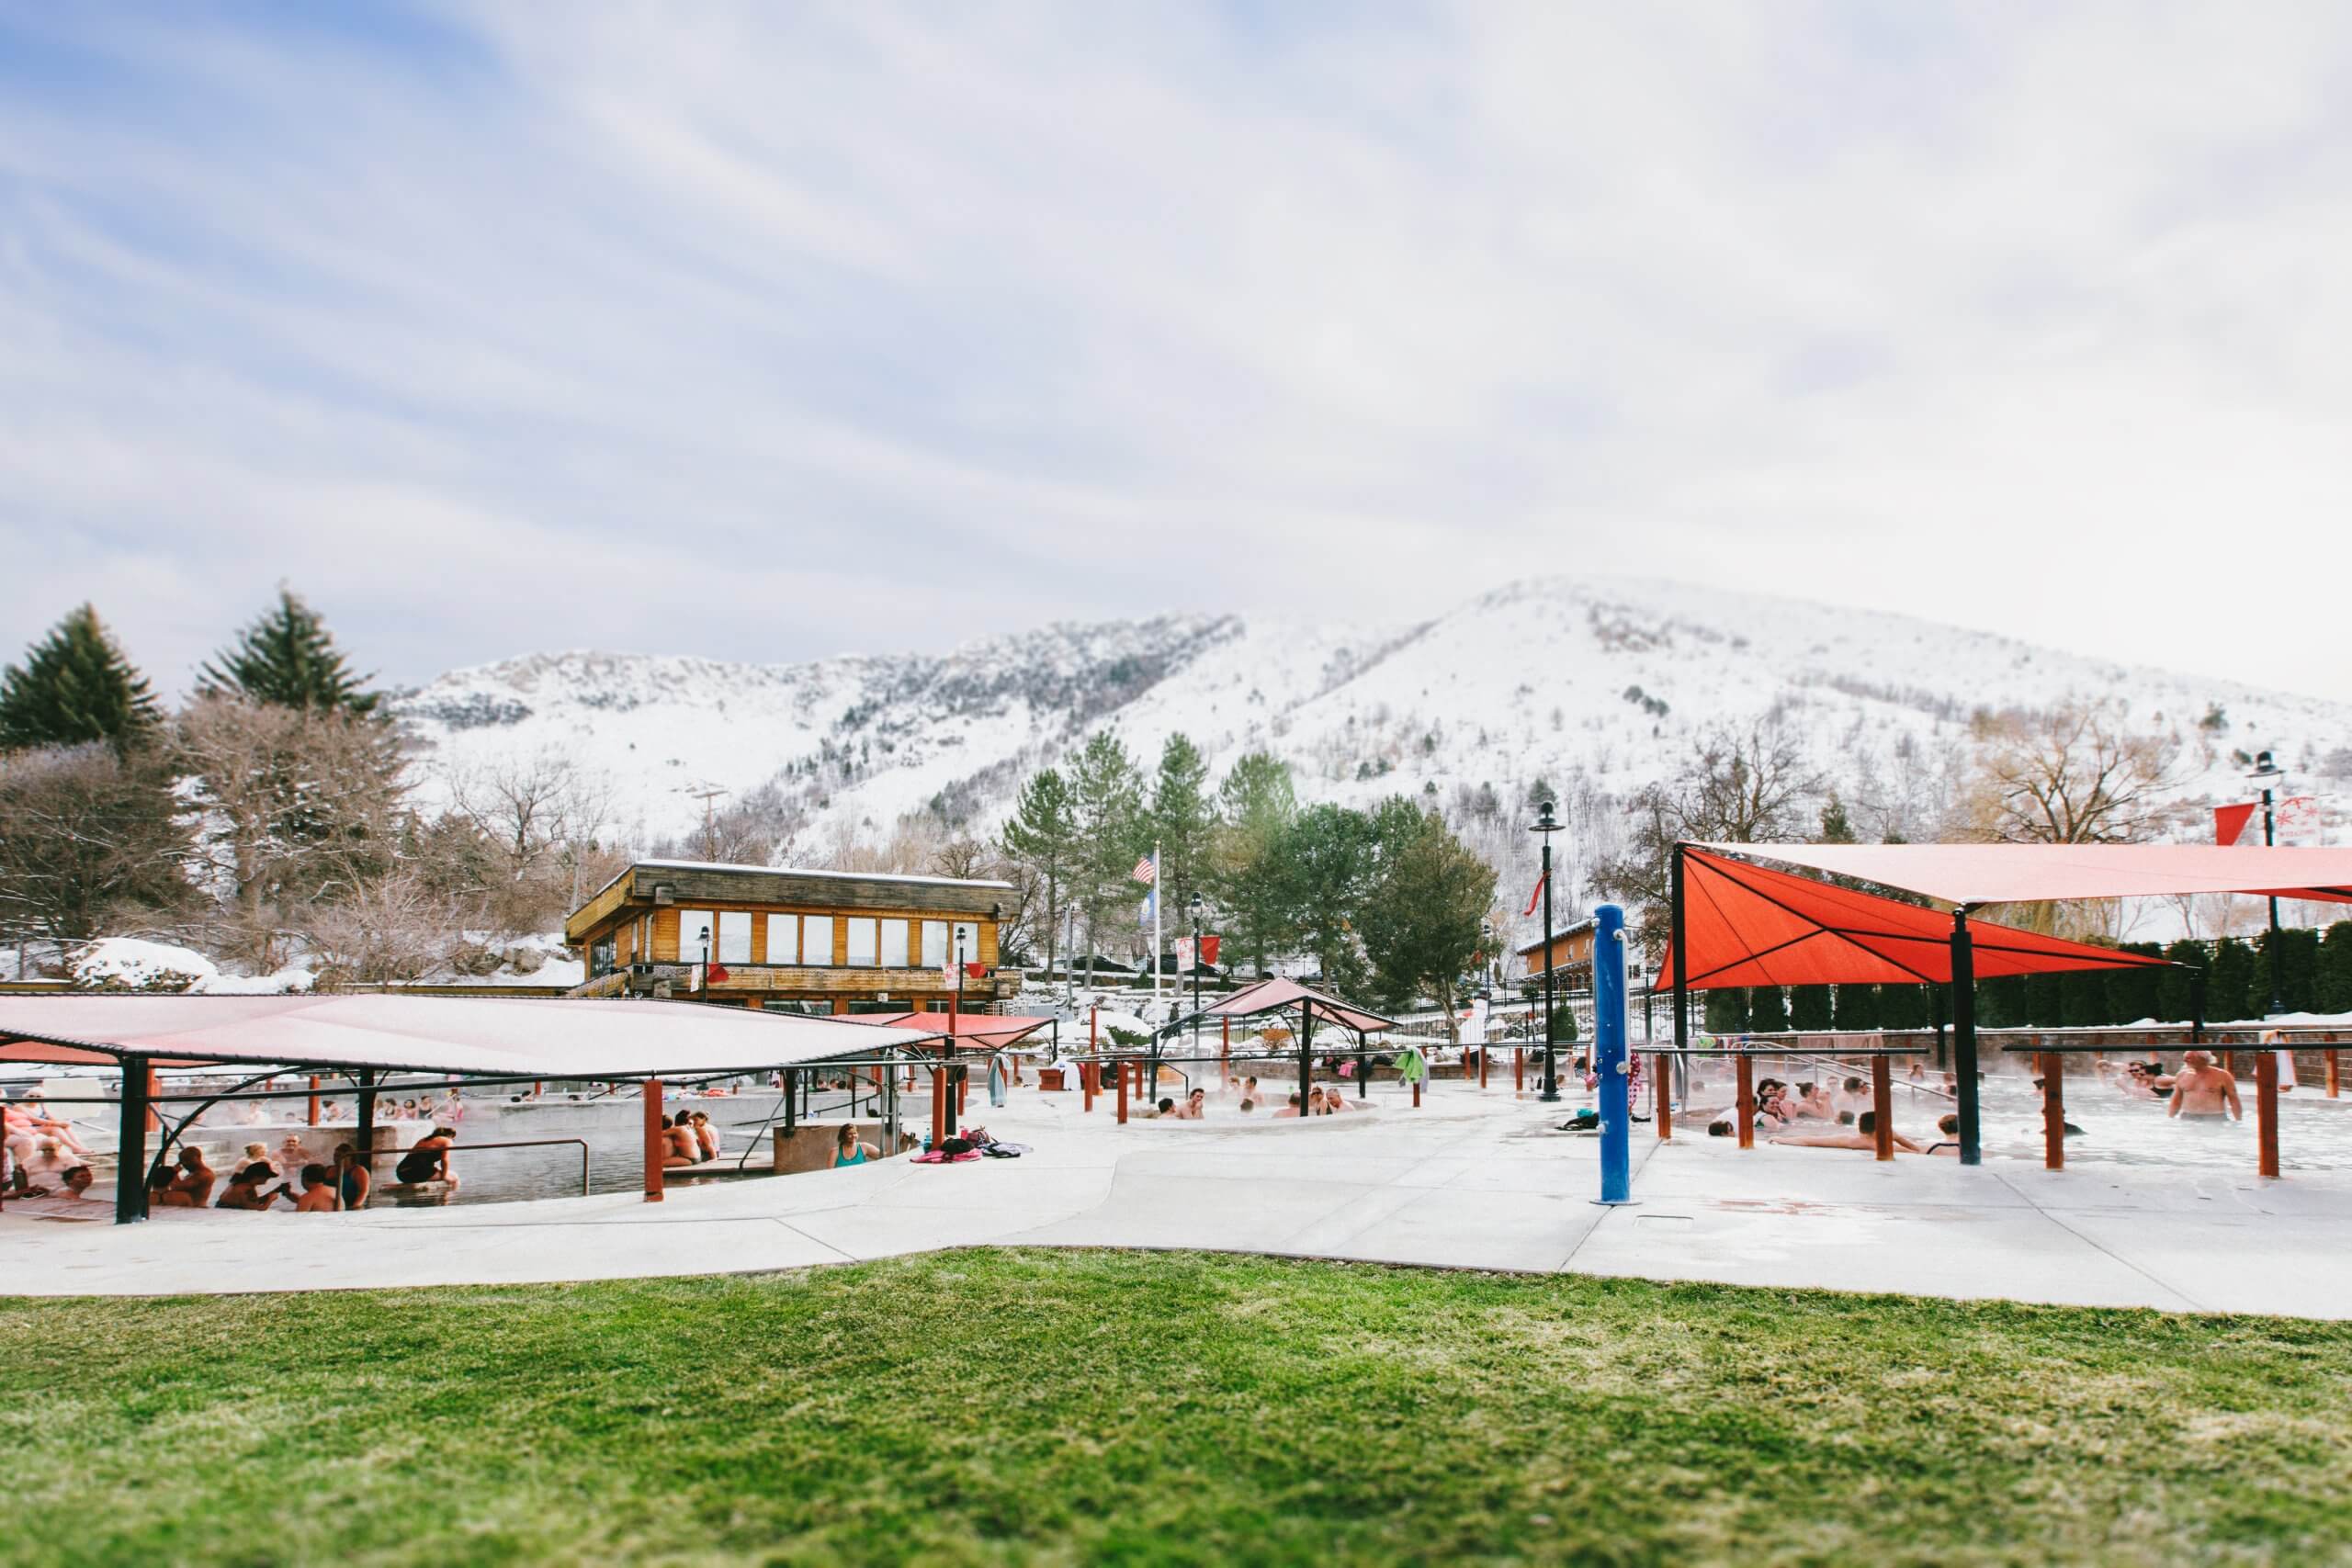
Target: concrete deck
x=1472 y=1180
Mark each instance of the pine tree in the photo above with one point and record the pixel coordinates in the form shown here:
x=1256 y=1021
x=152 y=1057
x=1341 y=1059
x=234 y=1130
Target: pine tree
x=2334 y=978
x=1858 y=1009
x=2176 y=987
x=1809 y=1009
x=1727 y=1012
x=2132 y=994
x=288 y=659
x=2229 y=984
x=1106 y=805
x=1421 y=922
x=1042 y=834
x=1183 y=817
x=1836 y=828
x=1768 y=1011
x=75 y=688
x=1258 y=805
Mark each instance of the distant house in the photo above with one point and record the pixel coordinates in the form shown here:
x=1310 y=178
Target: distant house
x=1570 y=961
x=838 y=941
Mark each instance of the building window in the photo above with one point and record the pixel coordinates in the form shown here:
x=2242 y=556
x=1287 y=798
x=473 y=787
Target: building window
x=967 y=941
x=934 y=944
x=894 y=945
x=784 y=939
x=861 y=951
x=697 y=932
x=734 y=936
x=600 y=958
x=816 y=940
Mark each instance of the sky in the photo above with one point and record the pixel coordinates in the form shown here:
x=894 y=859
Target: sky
x=769 y=331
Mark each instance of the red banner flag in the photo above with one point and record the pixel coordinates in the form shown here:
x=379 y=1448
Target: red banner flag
x=976 y=971
x=1534 y=898
x=2229 y=821
x=715 y=975
x=1208 y=950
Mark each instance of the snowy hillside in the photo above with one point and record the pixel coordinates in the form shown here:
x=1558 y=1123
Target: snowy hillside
x=1597 y=686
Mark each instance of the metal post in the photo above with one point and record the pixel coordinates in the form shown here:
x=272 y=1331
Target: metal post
x=656 y=1146
x=1963 y=1036
x=1610 y=1058
x=2054 y=1111
x=2265 y=1112
x=1550 y=1069
x=1305 y=1060
x=1744 y=1071
x=1122 y=1091
x=791 y=1120
x=131 y=1152
x=1883 y=1106
x=1936 y=1001
x=1681 y=960
x=2197 y=1007
x=364 y=1149
x=2270 y=838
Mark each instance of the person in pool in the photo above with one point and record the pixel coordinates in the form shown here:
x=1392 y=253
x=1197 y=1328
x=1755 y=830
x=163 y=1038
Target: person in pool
x=355 y=1177
x=847 y=1150
x=196 y=1178
x=1191 y=1109
x=318 y=1191
x=2203 y=1090
x=1949 y=1125
x=245 y=1189
x=1861 y=1137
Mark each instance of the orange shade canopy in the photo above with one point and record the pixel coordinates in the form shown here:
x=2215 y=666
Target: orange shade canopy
x=1744 y=925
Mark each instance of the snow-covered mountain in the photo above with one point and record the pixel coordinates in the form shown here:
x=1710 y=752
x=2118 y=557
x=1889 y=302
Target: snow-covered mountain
x=1597 y=686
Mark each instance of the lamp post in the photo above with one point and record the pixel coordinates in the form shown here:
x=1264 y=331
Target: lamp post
x=2267 y=774
x=1546 y=824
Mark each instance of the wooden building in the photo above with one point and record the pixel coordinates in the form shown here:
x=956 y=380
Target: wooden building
x=1571 y=960
x=830 y=941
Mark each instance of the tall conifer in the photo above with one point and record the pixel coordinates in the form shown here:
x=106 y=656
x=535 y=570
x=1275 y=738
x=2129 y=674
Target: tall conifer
x=75 y=688
x=288 y=659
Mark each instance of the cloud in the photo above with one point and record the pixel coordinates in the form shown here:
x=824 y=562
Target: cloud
x=767 y=332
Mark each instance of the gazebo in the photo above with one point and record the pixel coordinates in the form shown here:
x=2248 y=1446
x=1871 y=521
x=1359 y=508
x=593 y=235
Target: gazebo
x=361 y=1037
x=1284 y=998
x=1733 y=923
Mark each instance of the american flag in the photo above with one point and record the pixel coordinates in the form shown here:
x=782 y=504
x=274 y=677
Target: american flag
x=1146 y=870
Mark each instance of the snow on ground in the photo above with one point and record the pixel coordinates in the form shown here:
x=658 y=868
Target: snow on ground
x=128 y=964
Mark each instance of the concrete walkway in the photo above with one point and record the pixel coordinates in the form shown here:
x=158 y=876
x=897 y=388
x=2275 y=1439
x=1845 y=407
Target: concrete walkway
x=1471 y=1179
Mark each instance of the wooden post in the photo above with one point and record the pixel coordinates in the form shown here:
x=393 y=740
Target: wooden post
x=1662 y=1097
x=2265 y=1112
x=1518 y=1070
x=1086 y=1082
x=1882 y=1107
x=1416 y=1094
x=2054 y=1111
x=655 y=1145
x=1746 y=1101
x=1122 y=1091
x=314 y=1100
x=155 y=1122
x=2332 y=1073
x=1093 y=1021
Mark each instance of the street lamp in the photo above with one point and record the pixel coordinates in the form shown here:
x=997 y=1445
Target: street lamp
x=1546 y=824
x=2270 y=775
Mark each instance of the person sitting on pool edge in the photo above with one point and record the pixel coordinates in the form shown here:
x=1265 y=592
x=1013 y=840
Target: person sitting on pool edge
x=165 y=1192
x=1861 y=1137
x=847 y=1150
x=2203 y=1090
x=196 y=1178
x=706 y=1135
x=427 y=1159
x=678 y=1144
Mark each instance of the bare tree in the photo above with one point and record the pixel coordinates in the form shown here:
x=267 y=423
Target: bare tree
x=2072 y=774
x=88 y=840
x=397 y=928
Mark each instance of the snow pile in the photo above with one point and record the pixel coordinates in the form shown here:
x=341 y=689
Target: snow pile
x=127 y=964
x=285 y=982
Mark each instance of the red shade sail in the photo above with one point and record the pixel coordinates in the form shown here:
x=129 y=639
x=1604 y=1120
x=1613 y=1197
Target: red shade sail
x=2034 y=873
x=1745 y=925
x=987 y=1031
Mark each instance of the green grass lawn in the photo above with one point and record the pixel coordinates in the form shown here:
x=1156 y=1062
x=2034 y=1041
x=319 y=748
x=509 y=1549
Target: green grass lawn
x=1014 y=1406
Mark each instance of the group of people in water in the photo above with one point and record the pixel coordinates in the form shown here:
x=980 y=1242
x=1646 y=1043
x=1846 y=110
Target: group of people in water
x=1250 y=1098
x=317 y=1187
x=41 y=1153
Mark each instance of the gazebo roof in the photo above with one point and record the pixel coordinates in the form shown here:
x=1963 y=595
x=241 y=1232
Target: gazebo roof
x=1278 y=995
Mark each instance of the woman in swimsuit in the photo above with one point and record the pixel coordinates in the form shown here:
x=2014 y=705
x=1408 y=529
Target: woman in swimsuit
x=356 y=1177
x=847 y=1150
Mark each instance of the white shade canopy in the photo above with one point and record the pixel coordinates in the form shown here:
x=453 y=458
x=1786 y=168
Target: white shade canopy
x=491 y=1036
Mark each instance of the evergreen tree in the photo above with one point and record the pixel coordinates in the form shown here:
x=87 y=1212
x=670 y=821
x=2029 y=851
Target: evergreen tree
x=2045 y=1006
x=2334 y=984
x=1836 y=828
x=1768 y=1011
x=1857 y=1009
x=1905 y=1007
x=2176 y=987
x=1183 y=817
x=2298 y=960
x=1421 y=919
x=1810 y=1008
x=1326 y=862
x=1042 y=834
x=1258 y=805
x=288 y=659
x=1727 y=1012
x=2132 y=994
x=2081 y=998
x=73 y=687
x=1106 y=801
x=2229 y=984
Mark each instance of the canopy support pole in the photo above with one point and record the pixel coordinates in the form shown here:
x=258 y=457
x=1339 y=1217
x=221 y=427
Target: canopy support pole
x=1306 y=1055
x=1682 y=962
x=363 y=1147
x=656 y=1145
x=131 y=1153
x=1963 y=1036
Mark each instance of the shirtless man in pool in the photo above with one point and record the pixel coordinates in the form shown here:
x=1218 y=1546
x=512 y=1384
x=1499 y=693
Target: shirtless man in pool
x=2203 y=1090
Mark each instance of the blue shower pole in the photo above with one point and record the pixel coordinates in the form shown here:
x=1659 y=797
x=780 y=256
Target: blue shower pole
x=1608 y=1058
